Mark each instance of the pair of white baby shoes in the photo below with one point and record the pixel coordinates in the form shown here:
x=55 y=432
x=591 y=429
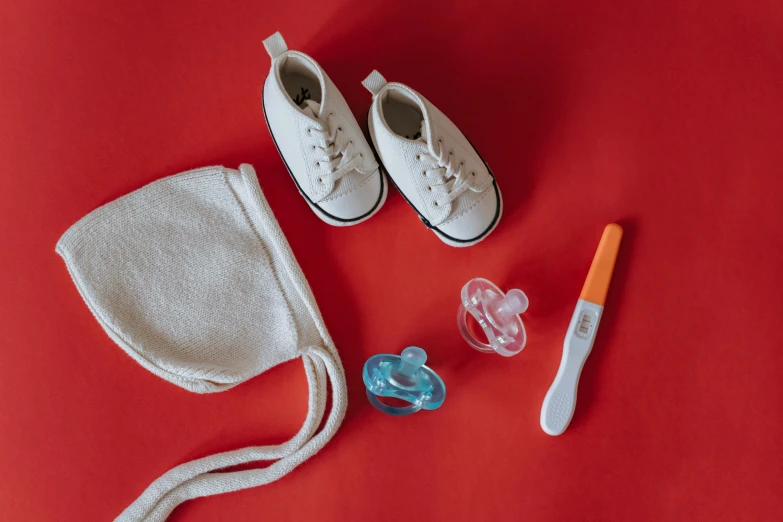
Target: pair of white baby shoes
x=429 y=160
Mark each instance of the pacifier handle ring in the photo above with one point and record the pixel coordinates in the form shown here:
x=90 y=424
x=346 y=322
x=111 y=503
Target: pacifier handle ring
x=391 y=410
x=462 y=321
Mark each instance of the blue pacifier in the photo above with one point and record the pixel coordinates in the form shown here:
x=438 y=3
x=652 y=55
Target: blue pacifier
x=403 y=377
x=496 y=313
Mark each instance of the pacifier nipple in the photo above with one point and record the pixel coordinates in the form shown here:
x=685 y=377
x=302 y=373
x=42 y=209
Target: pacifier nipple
x=411 y=359
x=497 y=314
x=403 y=377
x=503 y=310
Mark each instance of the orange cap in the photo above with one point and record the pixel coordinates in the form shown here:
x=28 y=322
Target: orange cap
x=600 y=274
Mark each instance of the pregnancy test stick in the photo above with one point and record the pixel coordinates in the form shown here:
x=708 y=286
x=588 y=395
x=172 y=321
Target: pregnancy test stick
x=560 y=400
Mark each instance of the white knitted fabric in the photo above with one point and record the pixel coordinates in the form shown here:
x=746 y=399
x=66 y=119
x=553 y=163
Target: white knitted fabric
x=193 y=278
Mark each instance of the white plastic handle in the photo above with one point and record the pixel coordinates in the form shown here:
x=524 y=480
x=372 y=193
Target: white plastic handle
x=560 y=400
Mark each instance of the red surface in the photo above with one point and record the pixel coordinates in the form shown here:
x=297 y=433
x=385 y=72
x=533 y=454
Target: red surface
x=663 y=116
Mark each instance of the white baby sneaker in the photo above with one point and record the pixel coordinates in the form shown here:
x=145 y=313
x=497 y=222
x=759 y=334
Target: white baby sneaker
x=318 y=138
x=433 y=164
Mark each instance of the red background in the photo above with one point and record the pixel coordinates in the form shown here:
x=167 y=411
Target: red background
x=665 y=116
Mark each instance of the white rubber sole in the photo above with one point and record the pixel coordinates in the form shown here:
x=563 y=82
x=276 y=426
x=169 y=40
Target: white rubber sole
x=461 y=244
x=335 y=223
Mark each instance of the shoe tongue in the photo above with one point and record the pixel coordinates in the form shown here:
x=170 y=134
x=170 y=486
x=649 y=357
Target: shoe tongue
x=424 y=138
x=311 y=108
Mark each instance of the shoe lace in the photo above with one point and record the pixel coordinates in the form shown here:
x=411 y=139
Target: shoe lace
x=338 y=154
x=450 y=176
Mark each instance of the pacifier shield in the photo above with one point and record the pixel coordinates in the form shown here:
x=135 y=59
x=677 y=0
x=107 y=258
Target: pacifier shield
x=497 y=314
x=403 y=377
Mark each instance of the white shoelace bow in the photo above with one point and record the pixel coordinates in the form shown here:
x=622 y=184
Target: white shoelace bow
x=339 y=155
x=449 y=176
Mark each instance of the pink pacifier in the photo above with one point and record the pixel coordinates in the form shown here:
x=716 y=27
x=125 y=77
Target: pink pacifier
x=498 y=315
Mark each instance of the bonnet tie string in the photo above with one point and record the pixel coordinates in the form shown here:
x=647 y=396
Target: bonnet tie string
x=201 y=478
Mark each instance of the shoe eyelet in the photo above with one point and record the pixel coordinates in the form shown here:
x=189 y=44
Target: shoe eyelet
x=435 y=204
x=418 y=157
x=309 y=132
x=313 y=147
x=473 y=173
x=318 y=164
x=320 y=181
x=361 y=155
x=429 y=188
x=340 y=128
x=424 y=173
x=350 y=142
x=461 y=163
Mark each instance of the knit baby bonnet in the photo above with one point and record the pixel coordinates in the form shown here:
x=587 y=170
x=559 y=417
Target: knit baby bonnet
x=192 y=277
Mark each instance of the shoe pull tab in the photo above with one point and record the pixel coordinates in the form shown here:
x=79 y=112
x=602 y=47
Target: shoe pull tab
x=275 y=45
x=374 y=82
